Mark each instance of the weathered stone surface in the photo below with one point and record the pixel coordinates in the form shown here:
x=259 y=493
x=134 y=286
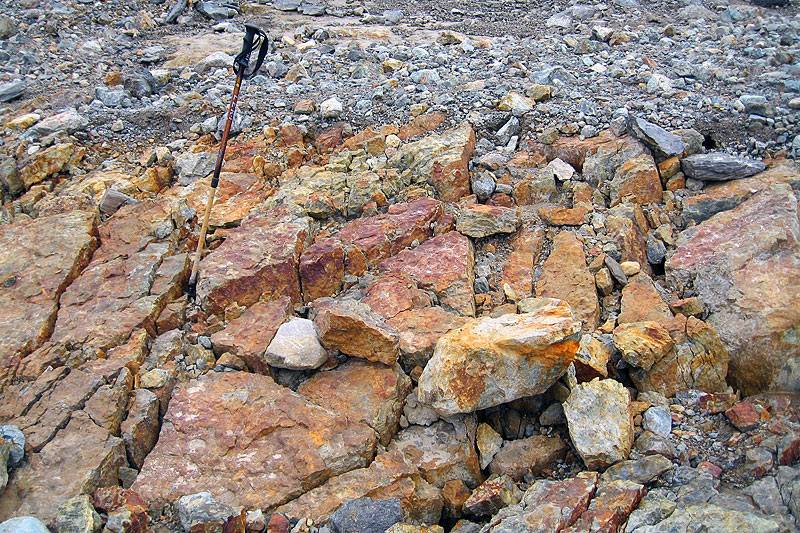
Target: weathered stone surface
x=488 y=442
x=445 y=265
x=23 y=524
x=479 y=220
x=712 y=518
x=59 y=158
x=354 y=329
x=229 y=422
x=518 y=269
x=108 y=405
x=640 y=471
x=257 y=261
x=440 y=453
x=200 y=512
x=703 y=359
x=442 y=160
x=719 y=166
x=409 y=528
x=77 y=515
x=367 y=515
x=643 y=344
x=491 y=361
x=653 y=508
x=533 y=455
x=38 y=260
x=546 y=506
x=420 y=330
x=663 y=143
x=295 y=346
x=394 y=292
x=566 y=277
x=610 y=507
x=140 y=429
x=591 y=360
x=81 y=458
x=629 y=239
x=390 y=475
x=127 y=511
x=637 y=180
x=738 y=260
x=492 y=495
x=322 y=269
x=366 y=392
x=641 y=302
x=237 y=194
x=249 y=335
x=600 y=422
x=190 y=167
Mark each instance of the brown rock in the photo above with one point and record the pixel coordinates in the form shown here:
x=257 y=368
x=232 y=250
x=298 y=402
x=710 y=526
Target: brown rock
x=534 y=454
x=442 y=160
x=394 y=292
x=630 y=240
x=59 y=158
x=140 y=429
x=636 y=180
x=354 y=329
x=257 y=261
x=440 y=453
x=548 y=506
x=454 y=494
x=492 y=495
x=738 y=260
x=322 y=269
x=39 y=259
x=592 y=358
x=237 y=195
x=390 y=475
x=562 y=216
x=702 y=359
x=249 y=335
x=641 y=302
x=491 y=361
x=526 y=246
x=565 y=276
x=108 y=405
x=610 y=507
x=366 y=392
x=643 y=344
x=444 y=265
x=81 y=458
x=421 y=125
x=744 y=416
x=479 y=220
x=718 y=402
x=249 y=442
x=420 y=330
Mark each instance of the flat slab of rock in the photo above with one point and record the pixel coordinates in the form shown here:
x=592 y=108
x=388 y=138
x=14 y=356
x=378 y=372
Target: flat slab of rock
x=249 y=442
x=566 y=277
x=420 y=330
x=479 y=220
x=547 y=506
x=713 y=518
x=296 y=346
x=610 y=508
x=257 y=261
x=719 y=166
x=663 y=143
x=367 y=392
x=390 y=475
x=38 y=260
x=444 y=265
x=491 y=361
x=600 y=422
x=737 y=260
x=322 y=269
x=526 y=246
x=249 y=335
x=356 y=330
x=393 y=293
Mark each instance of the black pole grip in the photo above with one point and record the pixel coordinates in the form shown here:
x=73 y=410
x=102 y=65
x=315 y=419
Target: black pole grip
x=254 y=37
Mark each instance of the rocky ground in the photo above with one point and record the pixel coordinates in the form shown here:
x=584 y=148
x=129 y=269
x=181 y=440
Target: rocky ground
x=471 y=267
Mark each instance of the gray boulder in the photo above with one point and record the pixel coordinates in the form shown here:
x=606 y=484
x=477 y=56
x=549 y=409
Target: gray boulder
x=365 y=515
x=663 y=143
x=719 y=166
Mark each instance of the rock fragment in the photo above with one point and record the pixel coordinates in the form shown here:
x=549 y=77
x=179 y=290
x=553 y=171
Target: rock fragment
x=719 y=166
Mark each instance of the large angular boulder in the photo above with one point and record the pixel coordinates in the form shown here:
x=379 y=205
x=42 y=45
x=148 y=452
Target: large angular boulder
x=249 y=442
x=393 y=293
x=610 y=508
x=257 y=261
x=719 y=166
x=38 y=260
x=532 y=455
x=566 y=277
x=322 y=269
x=636 y=180
x=356 y=330
x=445 y=265
x=296 y=346
x=479 y=220
x=442 y=160
x=491 y=361
x=366 y=392
x=420 y=330
x=738 y=261
x=600 y=422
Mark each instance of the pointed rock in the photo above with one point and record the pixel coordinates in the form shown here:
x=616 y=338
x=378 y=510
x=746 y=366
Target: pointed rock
x=322 y=269
x=566 y=277
x=225 y=423
x=719 y=166
x=296 y=346
x=491 y=361
x=140 y=429
x=356 y=330
x=600 y=422
x=663 y=143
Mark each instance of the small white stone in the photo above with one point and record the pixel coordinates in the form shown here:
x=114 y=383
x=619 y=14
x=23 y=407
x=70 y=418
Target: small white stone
x=331 y=108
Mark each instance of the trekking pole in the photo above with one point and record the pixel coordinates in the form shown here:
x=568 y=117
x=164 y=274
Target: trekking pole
x=254 y=38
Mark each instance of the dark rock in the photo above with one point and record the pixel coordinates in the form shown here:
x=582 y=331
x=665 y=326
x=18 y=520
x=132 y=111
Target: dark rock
x=365 y=515
x=663 y=143
x=12 y=90
x=718 y=166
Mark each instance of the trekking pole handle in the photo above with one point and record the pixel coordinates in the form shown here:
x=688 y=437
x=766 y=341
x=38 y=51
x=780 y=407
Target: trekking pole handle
x=254 y=37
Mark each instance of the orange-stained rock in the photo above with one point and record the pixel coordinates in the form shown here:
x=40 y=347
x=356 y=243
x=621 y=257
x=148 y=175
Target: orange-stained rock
x=420 y=330
x=236 y=196
x=443 y=160
x=491 y=361
x=534 y=454
x=249 y=442
x=421 y=125
x=562 y=216
x=366 y=392
x=322 y=269
x=454 y=494
x=641 y=302
x=630 y=240
x=492 y=495
x=38 y=260
x=389 y=476
x=526 y=246
x=249 y=335
x=49 y=162
x=394 y=292
x=257 y=261
x=636 y=180
x=444 y=265
x=440 y=452
x=356 y=330
x=565 y=276
x=610 y=508
x=592 y=358
x=547 y=506
x=479 y=220
x=643 y=344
